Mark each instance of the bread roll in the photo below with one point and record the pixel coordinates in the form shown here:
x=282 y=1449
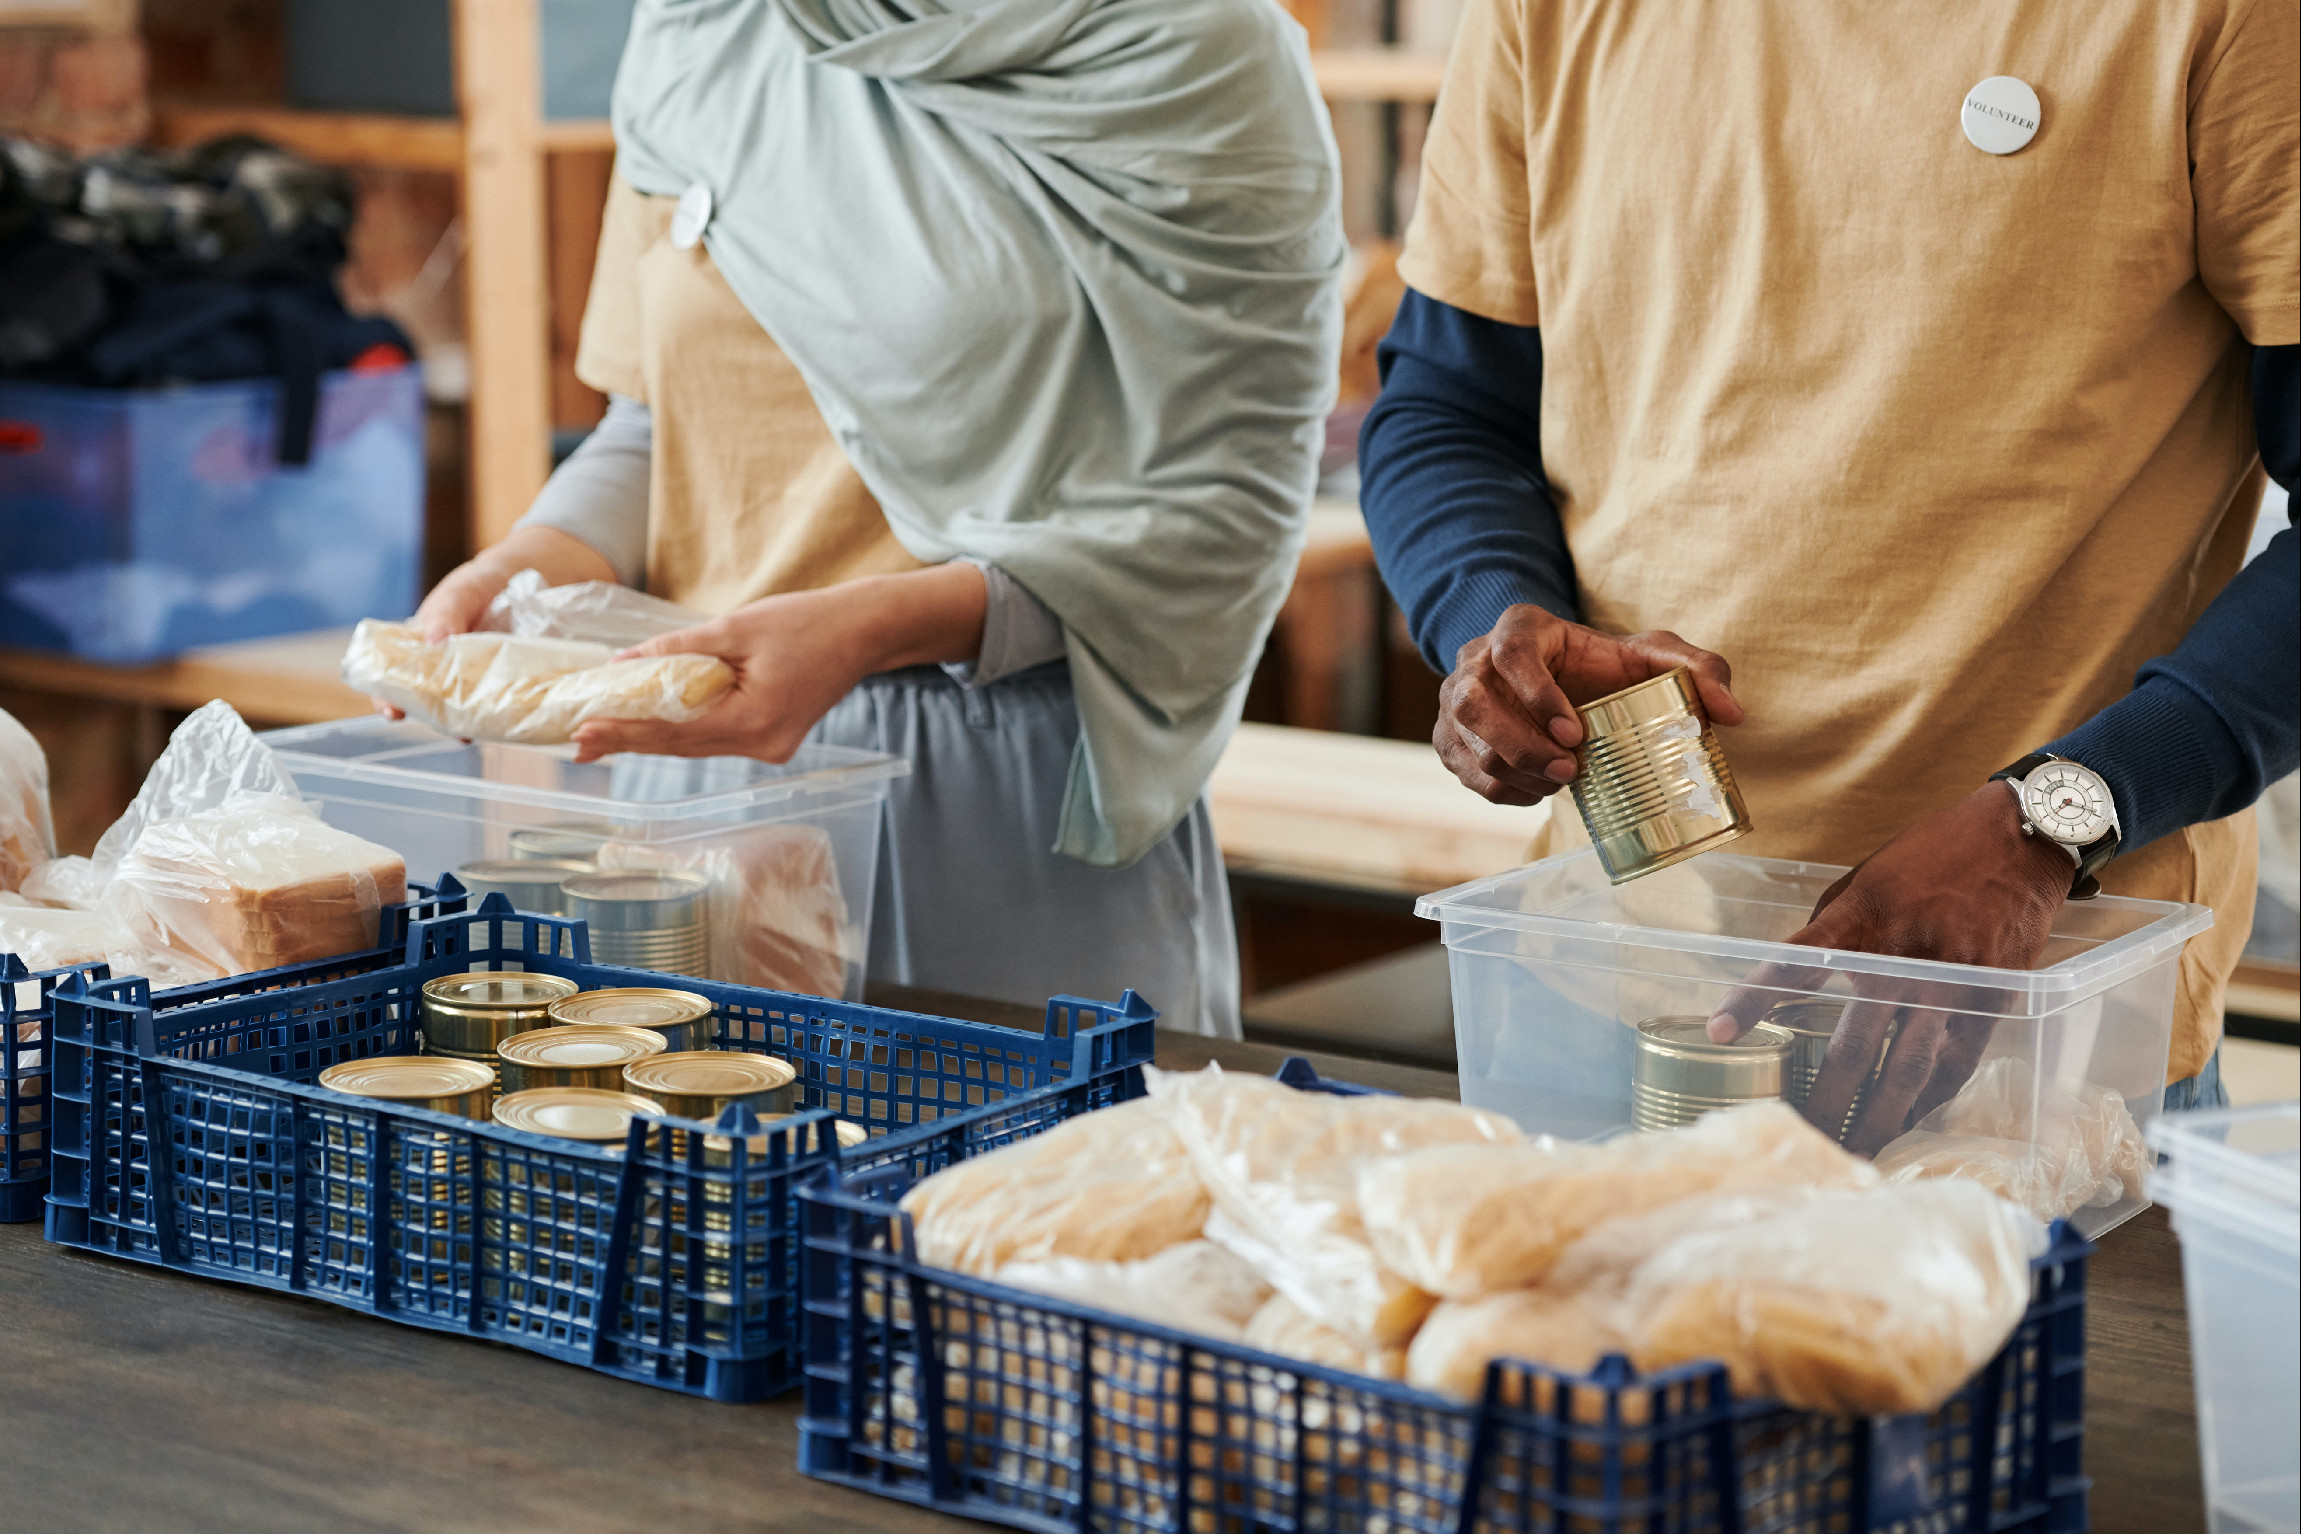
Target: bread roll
x=1281 y=1327
x=1466 y=1221
x=1558 y=1328
x=1194 y=1287
x=2054 y=1152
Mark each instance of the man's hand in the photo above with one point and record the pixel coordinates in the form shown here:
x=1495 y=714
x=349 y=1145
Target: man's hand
x=1506 y=720
x=794 y=656
x=1963 y=885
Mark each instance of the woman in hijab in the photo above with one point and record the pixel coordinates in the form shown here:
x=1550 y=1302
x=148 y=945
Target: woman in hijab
x=969 y=361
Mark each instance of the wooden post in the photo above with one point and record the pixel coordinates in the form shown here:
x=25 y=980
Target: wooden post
x=506 y=287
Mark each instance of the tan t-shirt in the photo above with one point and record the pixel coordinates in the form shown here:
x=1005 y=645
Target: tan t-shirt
x=1934 y=446
x=748 y=495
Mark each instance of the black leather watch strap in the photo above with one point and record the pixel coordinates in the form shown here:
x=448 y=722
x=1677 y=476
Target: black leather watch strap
x=2090 y=859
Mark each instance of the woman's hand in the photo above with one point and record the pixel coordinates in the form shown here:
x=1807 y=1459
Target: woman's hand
x=795 y=656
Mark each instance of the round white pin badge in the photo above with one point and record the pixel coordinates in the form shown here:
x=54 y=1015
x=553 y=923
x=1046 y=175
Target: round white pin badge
x=690 y=217
x=2000 y=115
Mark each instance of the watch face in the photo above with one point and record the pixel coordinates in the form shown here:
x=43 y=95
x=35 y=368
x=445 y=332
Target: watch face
x=2068 y=803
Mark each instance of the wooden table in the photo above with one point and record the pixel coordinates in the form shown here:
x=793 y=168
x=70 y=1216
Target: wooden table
x=132 y=1399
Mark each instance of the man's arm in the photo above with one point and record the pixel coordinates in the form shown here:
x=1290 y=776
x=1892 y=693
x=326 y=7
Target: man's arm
x=1470 y=543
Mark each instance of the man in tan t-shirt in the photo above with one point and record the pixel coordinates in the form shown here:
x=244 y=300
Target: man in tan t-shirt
x=1910 y=358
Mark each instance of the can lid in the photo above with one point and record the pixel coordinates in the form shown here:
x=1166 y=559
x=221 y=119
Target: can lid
x=405 y=1077
x=639 y=884
x=579 y=1048
x=1689 y=1038
x=1655 y=698
x=497 y=990
x=709 y=1073
x=1808 y=1015
x=573 y=1113
x=633 y=1006
x=847 y=1132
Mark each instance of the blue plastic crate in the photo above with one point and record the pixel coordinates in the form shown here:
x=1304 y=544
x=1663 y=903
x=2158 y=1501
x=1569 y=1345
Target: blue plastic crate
x=196 y=1140
x=24 y=1023
x=140 y=523
x=994 y=1403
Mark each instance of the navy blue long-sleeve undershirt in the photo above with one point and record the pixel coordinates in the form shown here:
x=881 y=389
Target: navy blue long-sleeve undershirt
x=1450 y=469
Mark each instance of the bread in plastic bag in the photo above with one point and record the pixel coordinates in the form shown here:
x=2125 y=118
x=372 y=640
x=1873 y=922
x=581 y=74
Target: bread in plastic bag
x=2053 y=1152
x=487 y=686
x=776 y=914
x=1465 y=1221
x=1195 y=1286
x=256 y=882
x=1110 y=1186
x=600 y=611
x=1555 y=1327
x=27 y=834
x=1877 y=1301
x=1281 y=1327
x=1281 y=1167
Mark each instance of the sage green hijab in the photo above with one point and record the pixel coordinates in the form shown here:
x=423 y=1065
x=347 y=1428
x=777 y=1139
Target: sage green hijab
x=1062 y=276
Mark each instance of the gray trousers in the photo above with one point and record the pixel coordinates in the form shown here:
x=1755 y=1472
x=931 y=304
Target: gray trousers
x=970 y=897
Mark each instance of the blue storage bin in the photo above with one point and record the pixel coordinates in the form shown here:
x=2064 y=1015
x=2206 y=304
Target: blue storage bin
x=995 y=1403
x=140 y=523
x=194 y=1139
x=26 y=1013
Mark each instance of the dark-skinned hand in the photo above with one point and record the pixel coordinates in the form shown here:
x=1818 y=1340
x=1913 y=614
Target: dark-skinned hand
x=1962 y=885
x=1506 y=721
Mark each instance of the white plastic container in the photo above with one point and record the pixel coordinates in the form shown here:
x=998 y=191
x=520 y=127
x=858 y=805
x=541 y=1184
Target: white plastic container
x=2232 y=1180
x=1553 y=968
x=793 y=850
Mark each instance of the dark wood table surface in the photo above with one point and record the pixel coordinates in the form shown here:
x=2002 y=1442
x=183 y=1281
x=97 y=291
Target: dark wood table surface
x=137 y=1400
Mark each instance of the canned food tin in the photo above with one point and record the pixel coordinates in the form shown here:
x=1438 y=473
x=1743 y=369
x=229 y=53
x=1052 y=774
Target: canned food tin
x=572 y=1113
x=682 y=1017
x=643 y=918
x=416 y=1081
x=1811 y=1021
x=470 y=1014
x=700 y=1084
x=530 y=884
x=1651 y=783
x=494 y=1087
x=576 y=842
x=572 y=1057
x=1679 y=1074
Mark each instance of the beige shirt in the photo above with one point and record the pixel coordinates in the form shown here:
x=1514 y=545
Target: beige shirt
x=748 y=494
x=1934 y=446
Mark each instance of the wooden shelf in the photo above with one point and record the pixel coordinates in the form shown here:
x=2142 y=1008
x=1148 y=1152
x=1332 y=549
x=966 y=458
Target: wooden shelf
x=1378 y=74
x=332 y=138
x=576 y=133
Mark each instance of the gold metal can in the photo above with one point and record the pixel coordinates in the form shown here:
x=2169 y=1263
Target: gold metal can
x=416 y=1081
x=575 y=842
x=572 y=1113
x=573 y=1057
x=681 y=1017
x=1811 y=1021
x=530 y=884
x=1678 y=1074
x=701 y=1083
x=644 y=918
x=1651 y=783
x=494 y=1083
x=470 y=1014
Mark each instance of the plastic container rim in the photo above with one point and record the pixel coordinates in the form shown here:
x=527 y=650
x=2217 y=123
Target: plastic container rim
x=861 y=769
x=2199 y=1164
x=2079 y=976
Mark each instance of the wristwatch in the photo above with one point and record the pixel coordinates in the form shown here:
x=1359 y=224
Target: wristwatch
x=2070 y=806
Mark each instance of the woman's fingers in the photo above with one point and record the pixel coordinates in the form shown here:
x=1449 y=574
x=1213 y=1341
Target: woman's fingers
x=711 y=638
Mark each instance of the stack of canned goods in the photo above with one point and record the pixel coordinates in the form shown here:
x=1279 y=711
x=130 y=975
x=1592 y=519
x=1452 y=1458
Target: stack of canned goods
x=640 y=918
x=470 y=1016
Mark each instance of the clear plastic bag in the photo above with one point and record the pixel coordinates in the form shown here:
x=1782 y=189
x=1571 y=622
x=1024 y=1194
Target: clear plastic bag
x=1281 y=1167
x=777 y=917
x=1282 y=1327
x=1110 y=1186
x=1194 y=1287
x=534 y=691
x=27 y=835
x=2053 y=1151
x=598 y=611
x=1555 y=1327
x=1465 y=1221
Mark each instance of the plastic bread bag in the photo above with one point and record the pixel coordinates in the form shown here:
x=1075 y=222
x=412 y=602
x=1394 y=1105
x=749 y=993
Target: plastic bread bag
x=598 y=611
x=1553 y=1326
x=1878 y=1301
x=211 y=757
x=1281 y=1168
x=1281 y=1327
x=1464 y=1221
x=61 y=937
x=27 y=835
x=1194 y=1287
x=1114 y=1185
x=2054 y=1150
x=487 y=686
x=254 y=883
x=777 y=916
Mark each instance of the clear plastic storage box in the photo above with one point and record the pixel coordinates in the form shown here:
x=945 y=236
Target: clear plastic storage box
x=2232 y=1179
x=1553 y=968
x=139 y=523
x=790 y=853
